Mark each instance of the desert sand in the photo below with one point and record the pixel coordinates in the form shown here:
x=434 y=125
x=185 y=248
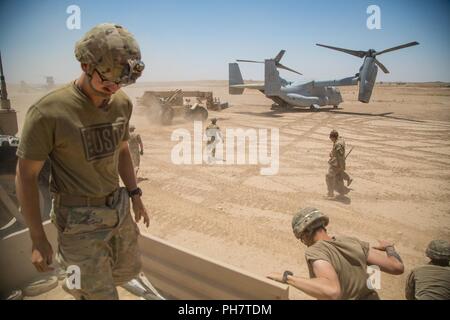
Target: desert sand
x=400 y=164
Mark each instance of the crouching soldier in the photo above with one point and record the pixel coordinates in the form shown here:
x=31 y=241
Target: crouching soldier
x=431 y=281
x=337 y=265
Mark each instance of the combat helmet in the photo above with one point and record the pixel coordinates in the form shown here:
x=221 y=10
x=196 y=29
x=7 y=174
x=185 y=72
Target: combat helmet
x=132 y=127
x=214 y=120
x=334 y=134
x=308 y=219
x=438 y=250
x=113 y=52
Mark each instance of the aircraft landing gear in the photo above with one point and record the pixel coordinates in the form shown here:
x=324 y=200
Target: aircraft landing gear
x=284 y=106
x=275 y=106
x=314 y=107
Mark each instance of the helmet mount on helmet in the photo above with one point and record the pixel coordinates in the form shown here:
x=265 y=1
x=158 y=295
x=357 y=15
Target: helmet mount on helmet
x=112 y=52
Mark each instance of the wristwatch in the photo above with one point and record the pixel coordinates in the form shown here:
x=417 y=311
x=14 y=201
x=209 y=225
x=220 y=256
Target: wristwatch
x=134 y=192
x=286 y=274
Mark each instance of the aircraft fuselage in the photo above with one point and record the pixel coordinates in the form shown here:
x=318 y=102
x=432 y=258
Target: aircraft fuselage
x=307 y=95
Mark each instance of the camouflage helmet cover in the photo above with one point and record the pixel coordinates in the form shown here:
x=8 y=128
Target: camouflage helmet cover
x=438 y=250
x=334 y=133
x=112 y=51
x=308 y=219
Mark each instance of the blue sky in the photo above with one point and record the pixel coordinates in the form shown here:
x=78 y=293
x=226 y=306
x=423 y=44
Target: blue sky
x=195 y=40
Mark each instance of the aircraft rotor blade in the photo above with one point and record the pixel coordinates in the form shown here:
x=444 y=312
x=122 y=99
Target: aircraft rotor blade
x=279 y=56
x=406 y=45
x=252 y=61
x=385 y=70
x=360 y=54
x=279 y=65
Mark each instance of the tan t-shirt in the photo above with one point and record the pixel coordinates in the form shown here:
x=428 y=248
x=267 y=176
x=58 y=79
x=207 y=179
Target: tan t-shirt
x=429 y=282
x=81 y=140
x=348 y=256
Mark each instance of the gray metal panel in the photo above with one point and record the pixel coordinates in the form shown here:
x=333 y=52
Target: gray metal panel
x=188 y=275
x=178 y=272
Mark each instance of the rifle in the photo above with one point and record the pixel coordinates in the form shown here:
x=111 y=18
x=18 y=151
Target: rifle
x=348 y=153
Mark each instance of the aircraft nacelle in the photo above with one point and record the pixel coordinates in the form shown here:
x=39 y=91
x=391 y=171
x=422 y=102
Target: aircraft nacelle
x=367 y=79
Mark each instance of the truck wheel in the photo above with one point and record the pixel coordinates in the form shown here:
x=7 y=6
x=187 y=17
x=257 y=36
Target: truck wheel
x=199 y=114
x=167 y=116
x=203 y=113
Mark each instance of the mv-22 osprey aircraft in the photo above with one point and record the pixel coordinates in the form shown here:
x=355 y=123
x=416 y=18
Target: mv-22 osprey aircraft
x=313 y=94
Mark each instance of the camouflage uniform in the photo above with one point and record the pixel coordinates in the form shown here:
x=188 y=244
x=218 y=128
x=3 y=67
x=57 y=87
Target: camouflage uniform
x=336 y=170
x=102 y=241
x=431 y=281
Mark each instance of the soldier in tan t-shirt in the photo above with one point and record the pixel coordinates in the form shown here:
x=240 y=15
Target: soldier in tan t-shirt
x=337 y=265
x=431 y=281
x=83 y=129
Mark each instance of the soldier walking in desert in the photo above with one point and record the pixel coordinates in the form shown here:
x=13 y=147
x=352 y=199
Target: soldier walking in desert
x=213 y=135
x=336 y=170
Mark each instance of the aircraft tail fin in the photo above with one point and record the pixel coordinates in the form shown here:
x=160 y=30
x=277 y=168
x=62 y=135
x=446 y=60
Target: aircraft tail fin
x=234 y=78
x=272 y=80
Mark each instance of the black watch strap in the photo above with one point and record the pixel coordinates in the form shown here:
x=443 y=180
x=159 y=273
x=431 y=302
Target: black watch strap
x=134 y=192
x=286 y=274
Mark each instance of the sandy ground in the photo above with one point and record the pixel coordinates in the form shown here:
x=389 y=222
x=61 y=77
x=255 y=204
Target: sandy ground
x=400 y=164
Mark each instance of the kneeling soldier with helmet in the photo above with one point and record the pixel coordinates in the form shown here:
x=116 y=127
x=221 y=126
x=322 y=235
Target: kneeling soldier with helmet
x=337 y=265
x=431 y=281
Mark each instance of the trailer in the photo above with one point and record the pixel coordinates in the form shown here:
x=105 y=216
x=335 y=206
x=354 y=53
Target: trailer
x=166 y=105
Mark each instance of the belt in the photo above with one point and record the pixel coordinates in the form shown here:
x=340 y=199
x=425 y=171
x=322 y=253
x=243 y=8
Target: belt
x=75 y=201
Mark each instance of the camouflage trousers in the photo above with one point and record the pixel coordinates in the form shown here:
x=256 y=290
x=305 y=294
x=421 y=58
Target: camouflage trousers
x=335 y=180
x=102 y=242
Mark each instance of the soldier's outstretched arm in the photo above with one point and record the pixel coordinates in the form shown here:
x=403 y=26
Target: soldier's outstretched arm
x=389 y=262
x=325 y=286
x=27 y=173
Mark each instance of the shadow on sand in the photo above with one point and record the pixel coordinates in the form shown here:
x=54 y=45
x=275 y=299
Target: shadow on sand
x=279 y=113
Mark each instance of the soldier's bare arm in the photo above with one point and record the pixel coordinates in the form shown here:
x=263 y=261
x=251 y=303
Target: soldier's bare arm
x=325 y=286
x=126 y=172
x=388 y=261
x=27 y=173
